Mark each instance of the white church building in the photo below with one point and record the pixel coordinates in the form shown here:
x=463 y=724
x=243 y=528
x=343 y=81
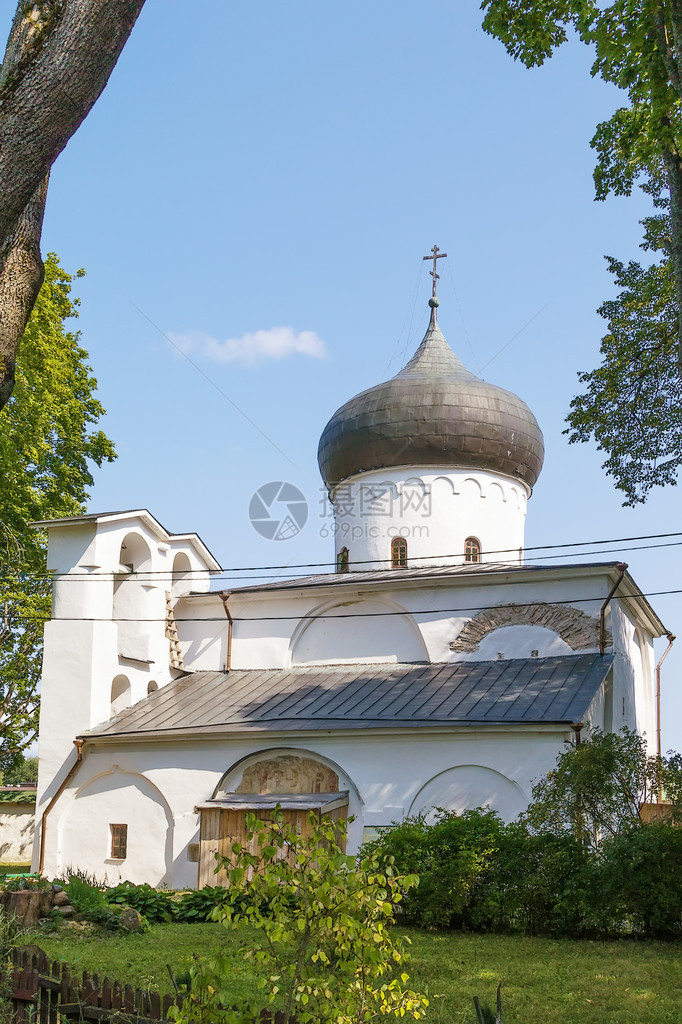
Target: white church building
x=434 y=668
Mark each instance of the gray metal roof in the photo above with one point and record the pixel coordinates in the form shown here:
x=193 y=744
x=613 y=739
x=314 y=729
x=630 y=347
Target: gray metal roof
x=534 y=690
x=268 y=801
x=431 y=572
x=434 y=412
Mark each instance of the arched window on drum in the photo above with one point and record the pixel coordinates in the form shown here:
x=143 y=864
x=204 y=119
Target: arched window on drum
x=472 y=550
x=398 y=553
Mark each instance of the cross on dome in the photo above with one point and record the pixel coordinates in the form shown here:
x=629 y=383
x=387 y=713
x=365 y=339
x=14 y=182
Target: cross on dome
x=436 y=254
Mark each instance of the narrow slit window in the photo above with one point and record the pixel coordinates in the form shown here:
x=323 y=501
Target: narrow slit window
x=398 y=553
x=342 y=560
x=119 y=842
x=472 y=550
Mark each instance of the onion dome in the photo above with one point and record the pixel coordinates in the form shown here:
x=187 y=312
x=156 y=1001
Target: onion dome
x=436 y=413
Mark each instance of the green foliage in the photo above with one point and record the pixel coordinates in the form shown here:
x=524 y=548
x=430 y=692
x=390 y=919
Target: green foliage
x=565 y=867
x=91 y=901
x=453 y=857
x=640 y=881
x=151 y=903
x=633 y=402
x=47 y=445
x=199 y=904
x=636 y=47
x=20 y=882
x=597 y=789
x=323 y=950
x=541 y=884
x=25 y=769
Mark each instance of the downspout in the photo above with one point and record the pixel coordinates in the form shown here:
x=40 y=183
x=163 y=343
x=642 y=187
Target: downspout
x=622 y=568
x=671 y=640
x=65 y=781
x=230 y=626
x=577 y=728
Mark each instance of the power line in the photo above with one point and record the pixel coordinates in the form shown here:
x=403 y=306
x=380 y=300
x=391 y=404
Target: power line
x=369 y=561
x=314 y=616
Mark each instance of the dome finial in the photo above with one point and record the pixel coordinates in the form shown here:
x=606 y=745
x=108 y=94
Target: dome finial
x=436 y=254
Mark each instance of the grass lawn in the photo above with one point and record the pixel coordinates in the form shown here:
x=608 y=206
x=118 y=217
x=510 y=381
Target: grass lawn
x=544 y=980
x=14 y=869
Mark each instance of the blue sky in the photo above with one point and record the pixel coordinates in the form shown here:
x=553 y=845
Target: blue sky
x=266 y=178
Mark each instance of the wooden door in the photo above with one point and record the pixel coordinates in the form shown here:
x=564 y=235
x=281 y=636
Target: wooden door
x=220 y=828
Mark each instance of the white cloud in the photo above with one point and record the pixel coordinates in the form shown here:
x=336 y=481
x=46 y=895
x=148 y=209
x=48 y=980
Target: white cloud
x=254 y=347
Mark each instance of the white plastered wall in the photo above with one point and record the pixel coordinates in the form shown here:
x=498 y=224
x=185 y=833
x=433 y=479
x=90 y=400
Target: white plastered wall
x=434 y=510
x=108 y=624
x=17 y=822
x=154 y=787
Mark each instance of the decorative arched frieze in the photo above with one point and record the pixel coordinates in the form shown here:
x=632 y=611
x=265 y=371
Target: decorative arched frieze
x=466 y=786
x=265 y=765
x=496 y=492
x=288 y=773
x=578 y=630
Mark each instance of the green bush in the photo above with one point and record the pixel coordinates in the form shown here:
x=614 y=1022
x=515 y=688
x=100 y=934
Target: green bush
x=91 y=901
x=640 y=881
x=542 y=884
x=151 y=903
x=199 y=904
x=455 y=859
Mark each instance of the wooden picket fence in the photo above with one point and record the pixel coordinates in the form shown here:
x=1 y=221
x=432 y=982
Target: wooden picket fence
x=44 y=992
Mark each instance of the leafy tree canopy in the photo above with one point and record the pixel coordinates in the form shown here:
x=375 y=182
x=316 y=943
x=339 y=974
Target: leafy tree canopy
x=597 y=789
x=48 y=441
x=638 y=47
x=632 y=404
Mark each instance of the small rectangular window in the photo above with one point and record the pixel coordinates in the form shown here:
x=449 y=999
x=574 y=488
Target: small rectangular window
x=119 y=842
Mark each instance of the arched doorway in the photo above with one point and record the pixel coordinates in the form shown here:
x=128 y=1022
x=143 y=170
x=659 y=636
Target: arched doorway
x=298 y=783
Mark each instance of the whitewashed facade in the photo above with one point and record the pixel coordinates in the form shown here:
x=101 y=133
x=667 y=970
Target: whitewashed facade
x=162 y=697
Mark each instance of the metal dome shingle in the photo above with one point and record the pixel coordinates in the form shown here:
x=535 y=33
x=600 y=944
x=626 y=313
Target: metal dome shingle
x=434 y=412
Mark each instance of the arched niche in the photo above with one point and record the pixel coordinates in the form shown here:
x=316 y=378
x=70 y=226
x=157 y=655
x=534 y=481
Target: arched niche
x=120 y=694
x=132 y=608
x=118 y=797
x=522 y=642
x=467 y=786
x=182 y=574
x=363 y=631
x=274 y=769
x=152 y=686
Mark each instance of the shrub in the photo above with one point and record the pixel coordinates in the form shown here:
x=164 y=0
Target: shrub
x=199 y=904
x=91 y=901
x=542 y=883
x=640 y=880
x=153 y=905
x=597 y=789
x=455 y=858
x=322 y=945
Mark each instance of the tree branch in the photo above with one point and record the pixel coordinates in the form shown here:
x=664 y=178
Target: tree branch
x=59 y=57
x=21 y=277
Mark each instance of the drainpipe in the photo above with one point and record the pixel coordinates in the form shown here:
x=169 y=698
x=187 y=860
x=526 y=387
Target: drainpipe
x=67 y=778
x=577 y=728
x=230 y=626
x=671 y=640
x=622 y=568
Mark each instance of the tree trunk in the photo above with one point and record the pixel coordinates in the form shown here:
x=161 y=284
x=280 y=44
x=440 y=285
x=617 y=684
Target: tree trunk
x=59 y=57
x=21 y=277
